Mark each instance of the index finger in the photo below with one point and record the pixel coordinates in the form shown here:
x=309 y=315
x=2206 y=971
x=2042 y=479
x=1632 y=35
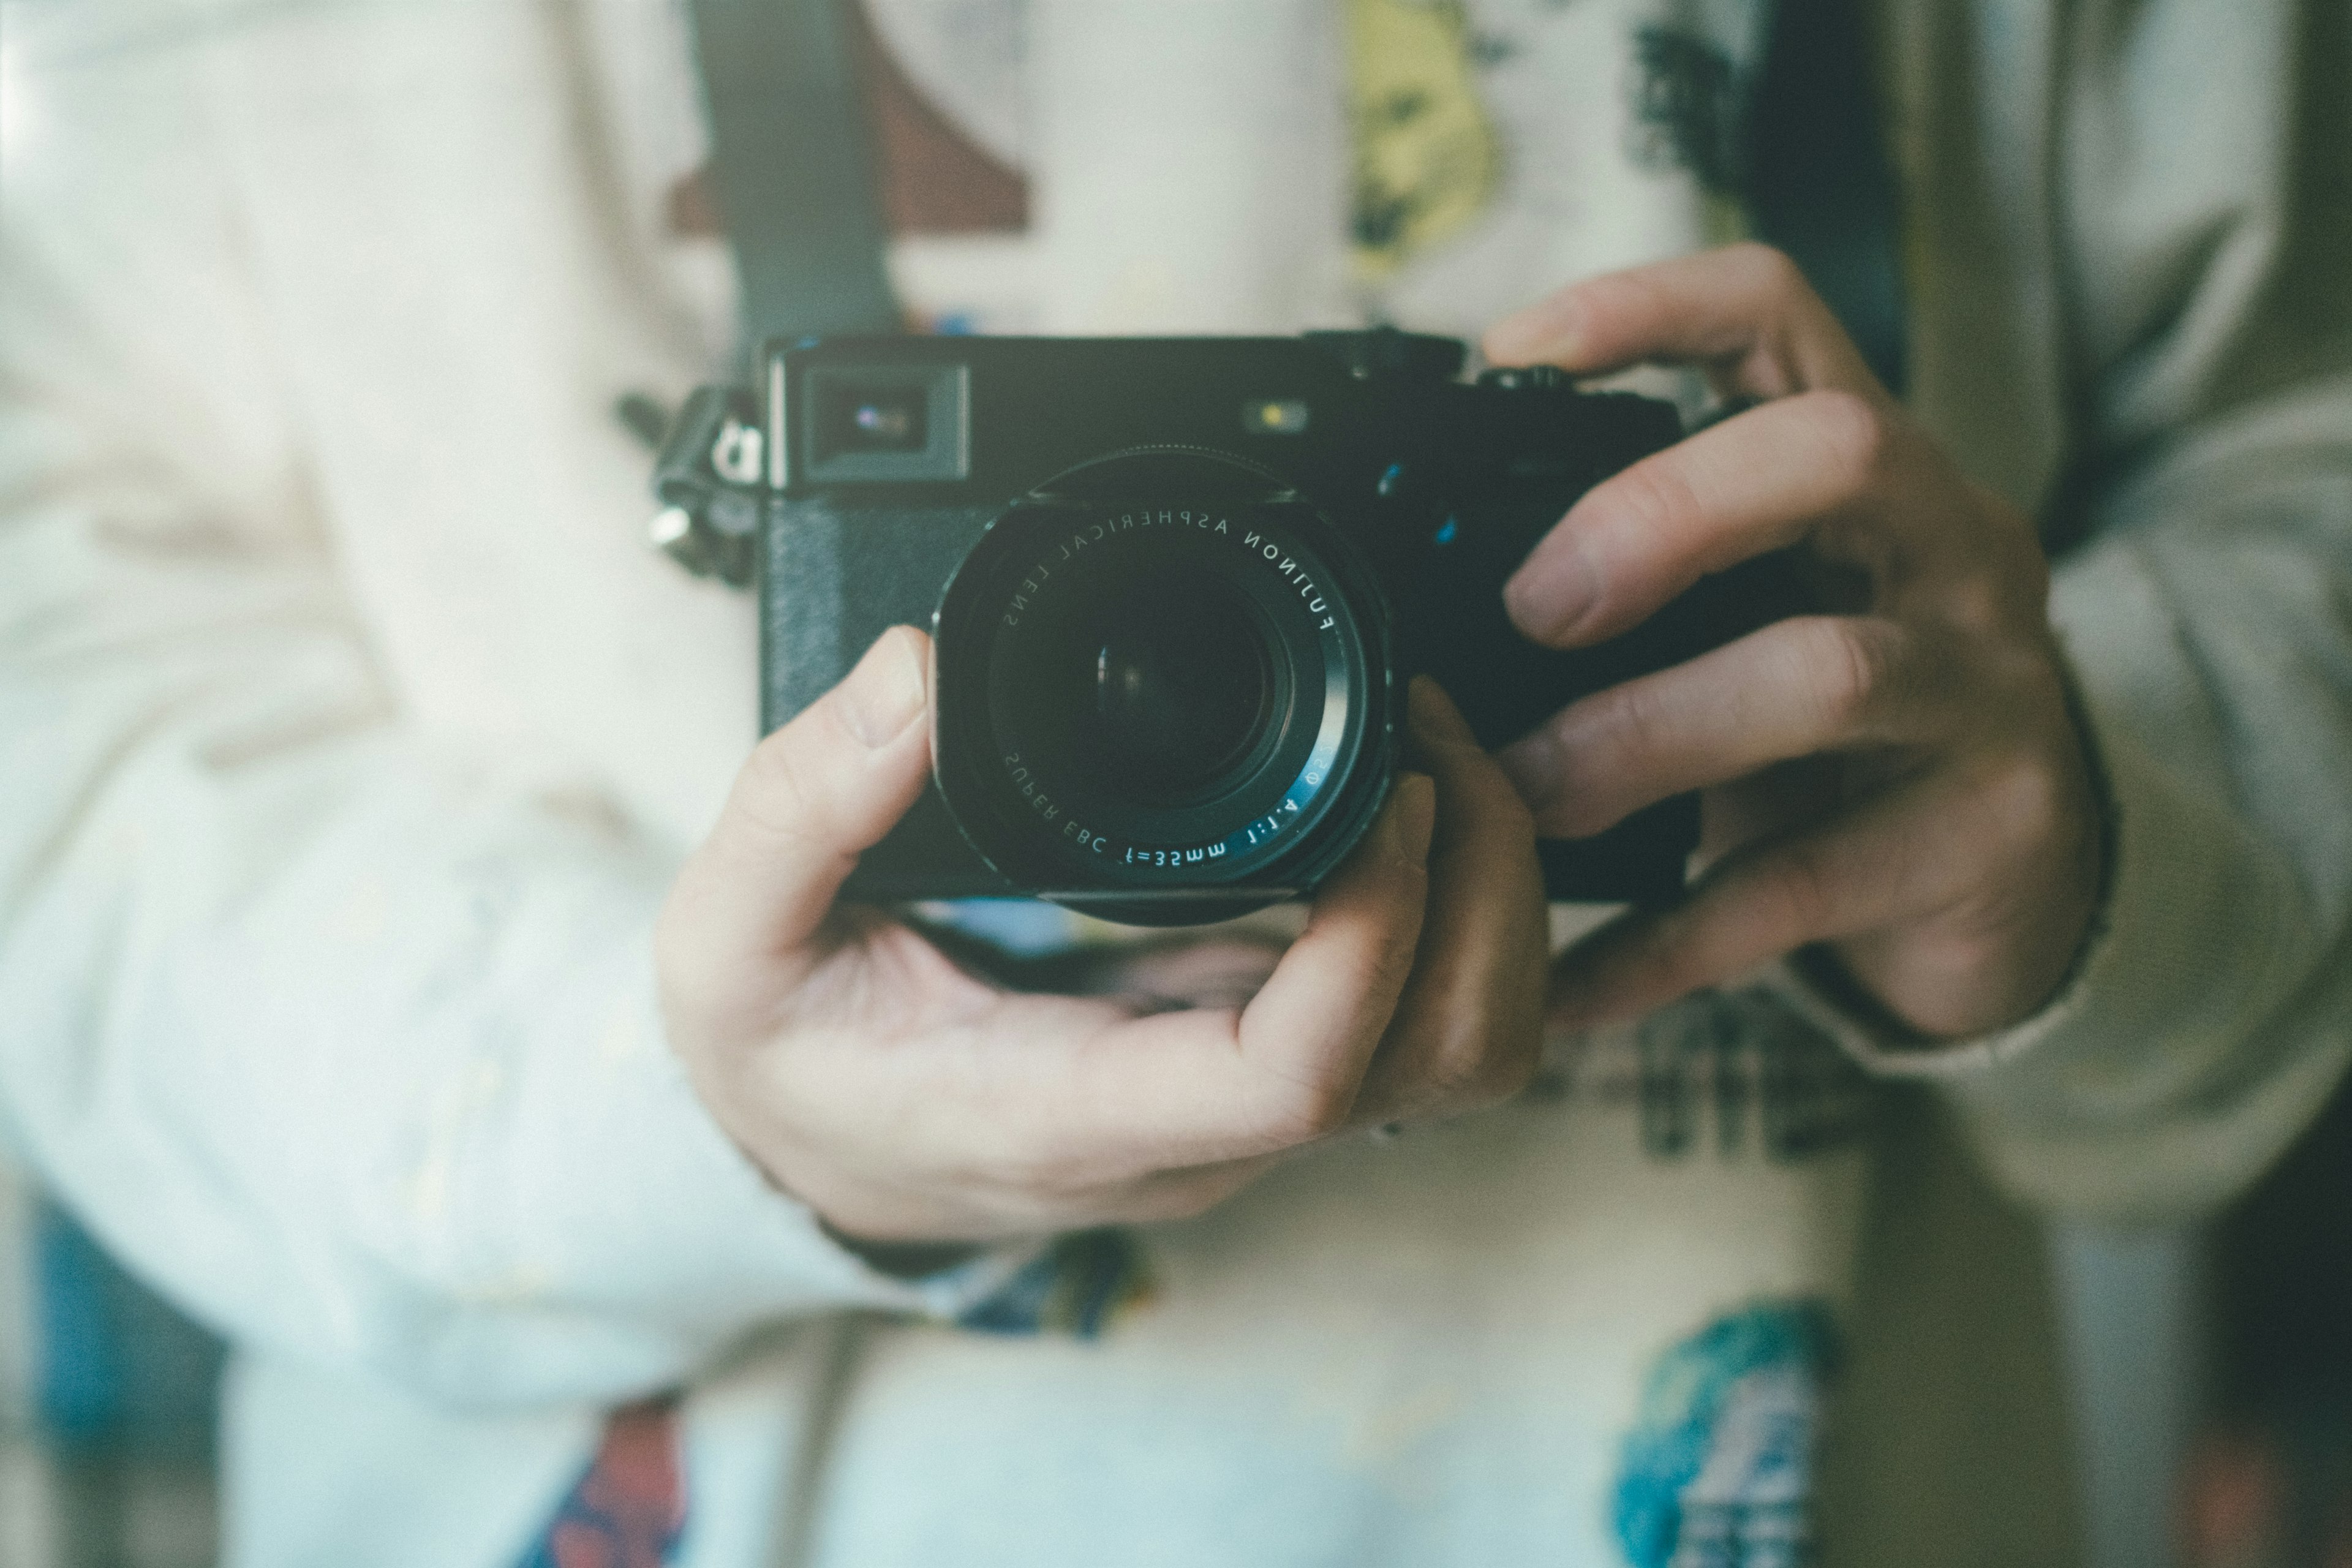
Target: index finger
x=1745 y=313
x=1755 y=482
x=1207 y=1085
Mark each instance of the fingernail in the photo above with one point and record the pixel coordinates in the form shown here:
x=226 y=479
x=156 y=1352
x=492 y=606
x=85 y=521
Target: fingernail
x=1551 y=592
x=1411 y=815
x=1550 y=331
x=885 y=692
x=1435 y=721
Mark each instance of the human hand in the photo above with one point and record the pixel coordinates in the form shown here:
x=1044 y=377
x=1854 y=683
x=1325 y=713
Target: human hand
x=1901 y=783
x=906 y=1098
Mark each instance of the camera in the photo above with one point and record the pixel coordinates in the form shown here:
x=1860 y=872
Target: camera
x=1176 y=587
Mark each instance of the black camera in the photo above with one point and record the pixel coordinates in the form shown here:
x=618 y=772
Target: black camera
x=1176 y=587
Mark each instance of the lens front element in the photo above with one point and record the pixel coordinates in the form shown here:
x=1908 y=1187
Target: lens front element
x=1184 y=687
x=1162 y=690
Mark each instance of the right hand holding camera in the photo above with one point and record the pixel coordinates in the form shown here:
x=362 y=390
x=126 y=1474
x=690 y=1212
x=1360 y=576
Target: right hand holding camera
x=906 y=1099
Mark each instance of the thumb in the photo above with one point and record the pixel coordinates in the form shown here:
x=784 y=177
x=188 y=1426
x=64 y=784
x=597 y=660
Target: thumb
x=813 y=796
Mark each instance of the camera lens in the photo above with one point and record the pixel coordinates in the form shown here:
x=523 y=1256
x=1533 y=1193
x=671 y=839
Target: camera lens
x=1184 y=686
x=1163 y=691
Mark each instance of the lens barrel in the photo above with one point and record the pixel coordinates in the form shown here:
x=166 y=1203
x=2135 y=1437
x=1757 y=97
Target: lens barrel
x=1163 y=691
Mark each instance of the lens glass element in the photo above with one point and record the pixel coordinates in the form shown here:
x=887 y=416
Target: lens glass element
x=1184 y=686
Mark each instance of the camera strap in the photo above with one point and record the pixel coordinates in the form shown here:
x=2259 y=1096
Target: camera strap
x=794 y=166
x=1819 y=185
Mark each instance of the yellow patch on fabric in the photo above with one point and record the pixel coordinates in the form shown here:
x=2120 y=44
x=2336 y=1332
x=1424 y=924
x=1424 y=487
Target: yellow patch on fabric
x=1427 y=159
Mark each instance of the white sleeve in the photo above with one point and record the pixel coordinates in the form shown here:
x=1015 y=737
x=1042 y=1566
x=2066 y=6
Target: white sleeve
x=344 y=1037
x=2209 y=623
x=2211 y=1017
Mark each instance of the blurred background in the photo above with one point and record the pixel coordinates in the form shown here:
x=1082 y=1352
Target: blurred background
x=2211 y=1373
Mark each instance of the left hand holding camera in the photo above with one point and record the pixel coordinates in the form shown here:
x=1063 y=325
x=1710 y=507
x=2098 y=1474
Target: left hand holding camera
x=1903 y=783
x=906 y=1099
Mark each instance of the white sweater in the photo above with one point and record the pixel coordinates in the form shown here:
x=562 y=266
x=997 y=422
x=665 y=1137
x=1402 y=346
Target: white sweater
x=348 y=736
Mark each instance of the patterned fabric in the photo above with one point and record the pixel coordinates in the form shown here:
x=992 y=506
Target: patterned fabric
x=1427 y=157
x=1717 y=1471
x=1743 y=1061
x=629 y=1508
x=1079 y=1287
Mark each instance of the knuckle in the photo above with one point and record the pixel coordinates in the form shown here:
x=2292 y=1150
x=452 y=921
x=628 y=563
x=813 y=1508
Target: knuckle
x=774 y=763
x=1392 y=972
x=1505 y=1067
x=1628 y=728
x=1854 y=435
x=1514 y=1034
x=1390 y=965
x=1647 y=501
x=1979 y=601
x=1640 y=716
x=1283 y=1108
x=1670 y=960
x=1847 y=670
x=1456 y=1072
x=1767 y=269
x=1486 y=1053
x=1412 y=876
x=1802 y=886
x=1302 y=1110
x=2026 y=800
x=1634 y=295
x=779 y=793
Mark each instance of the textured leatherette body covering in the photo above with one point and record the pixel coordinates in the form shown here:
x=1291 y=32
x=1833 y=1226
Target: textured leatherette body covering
x=819 y=611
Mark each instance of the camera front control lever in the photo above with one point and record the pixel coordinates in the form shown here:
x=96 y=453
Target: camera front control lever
x=706 y=479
